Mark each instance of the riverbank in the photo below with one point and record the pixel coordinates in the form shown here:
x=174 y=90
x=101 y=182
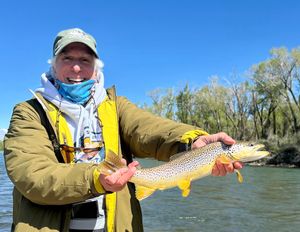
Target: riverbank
x=284 y=153
x=264 y=164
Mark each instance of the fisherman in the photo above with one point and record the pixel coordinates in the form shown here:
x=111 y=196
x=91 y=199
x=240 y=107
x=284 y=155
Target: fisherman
x=56 y=141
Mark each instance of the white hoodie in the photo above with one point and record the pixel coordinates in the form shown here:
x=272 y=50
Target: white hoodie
x=82 y=120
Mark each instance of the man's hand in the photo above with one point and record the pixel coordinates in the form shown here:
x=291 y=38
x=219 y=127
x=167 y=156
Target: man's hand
x=219 y=169
x=117 y=181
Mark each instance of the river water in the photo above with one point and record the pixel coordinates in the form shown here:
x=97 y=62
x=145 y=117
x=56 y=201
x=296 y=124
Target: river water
x=268 y=200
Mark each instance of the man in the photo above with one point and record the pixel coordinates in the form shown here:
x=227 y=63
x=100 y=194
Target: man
x=56 y=141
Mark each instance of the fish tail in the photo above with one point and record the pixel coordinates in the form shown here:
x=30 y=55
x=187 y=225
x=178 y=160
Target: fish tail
x=111 y=163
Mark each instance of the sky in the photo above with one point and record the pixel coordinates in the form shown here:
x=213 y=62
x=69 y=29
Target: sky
x=144 y=45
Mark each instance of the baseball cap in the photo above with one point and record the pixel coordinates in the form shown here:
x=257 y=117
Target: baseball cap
x=66 y=37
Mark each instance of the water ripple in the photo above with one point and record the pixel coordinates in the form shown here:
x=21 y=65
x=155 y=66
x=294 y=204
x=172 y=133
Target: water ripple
x=5 y=198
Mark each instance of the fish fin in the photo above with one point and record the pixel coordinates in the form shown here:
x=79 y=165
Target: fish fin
x=142 y=192
x=186 y=192
x=185 y=186
x=239 y=176
x=224 y=159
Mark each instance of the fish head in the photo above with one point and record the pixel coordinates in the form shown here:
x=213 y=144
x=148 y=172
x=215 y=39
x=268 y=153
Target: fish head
x=246 y=151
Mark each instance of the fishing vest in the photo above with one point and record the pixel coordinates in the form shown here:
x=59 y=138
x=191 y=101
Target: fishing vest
x=107 y=113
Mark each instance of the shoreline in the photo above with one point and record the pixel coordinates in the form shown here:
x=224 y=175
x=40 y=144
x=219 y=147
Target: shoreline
x=272 y=165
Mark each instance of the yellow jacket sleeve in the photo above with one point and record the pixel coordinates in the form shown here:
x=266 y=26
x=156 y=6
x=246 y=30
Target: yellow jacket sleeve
x=191 y=136
x=99 y=188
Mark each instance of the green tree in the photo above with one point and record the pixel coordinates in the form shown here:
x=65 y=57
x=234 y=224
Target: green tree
x=163 y=103
x=184 y=105
x=240 y=113
x=263 y=107
x=210 y=106
x=275 y=82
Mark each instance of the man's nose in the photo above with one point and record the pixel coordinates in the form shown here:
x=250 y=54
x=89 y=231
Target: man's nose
x=76 y=68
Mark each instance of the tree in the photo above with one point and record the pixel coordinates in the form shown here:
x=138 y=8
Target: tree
x=163 y=103
x=240 y=109
x=184 y=105
x=274 y=82
x=267 y=105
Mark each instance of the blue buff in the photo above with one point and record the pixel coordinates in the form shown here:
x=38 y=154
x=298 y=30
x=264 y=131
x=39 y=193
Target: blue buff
x=77 y=93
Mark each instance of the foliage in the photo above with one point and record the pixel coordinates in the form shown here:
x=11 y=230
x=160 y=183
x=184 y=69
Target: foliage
x=266 y=106
x=162 y=103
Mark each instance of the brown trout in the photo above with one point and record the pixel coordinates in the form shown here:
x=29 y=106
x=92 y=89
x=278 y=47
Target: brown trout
x=186 y=166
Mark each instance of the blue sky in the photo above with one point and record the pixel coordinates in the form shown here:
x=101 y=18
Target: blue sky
x=144 y=44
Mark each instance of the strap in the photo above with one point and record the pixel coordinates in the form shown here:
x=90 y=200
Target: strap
x=45 y=122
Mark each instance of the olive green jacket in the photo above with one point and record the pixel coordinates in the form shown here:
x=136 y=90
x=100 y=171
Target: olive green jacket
x=45 y=189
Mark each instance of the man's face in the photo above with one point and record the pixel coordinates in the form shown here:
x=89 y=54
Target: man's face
x=75 y=64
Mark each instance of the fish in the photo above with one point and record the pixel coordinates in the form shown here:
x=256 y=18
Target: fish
x=185 y=167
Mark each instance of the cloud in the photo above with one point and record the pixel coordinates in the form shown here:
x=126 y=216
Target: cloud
x=2 y=133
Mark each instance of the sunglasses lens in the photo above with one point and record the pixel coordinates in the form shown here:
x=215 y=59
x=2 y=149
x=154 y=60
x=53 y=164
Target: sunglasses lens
x=88 y=150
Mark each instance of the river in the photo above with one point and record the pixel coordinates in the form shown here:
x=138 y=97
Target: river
x=268 y=200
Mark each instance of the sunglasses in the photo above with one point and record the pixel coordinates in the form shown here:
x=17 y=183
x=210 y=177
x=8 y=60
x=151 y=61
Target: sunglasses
x=67 y=148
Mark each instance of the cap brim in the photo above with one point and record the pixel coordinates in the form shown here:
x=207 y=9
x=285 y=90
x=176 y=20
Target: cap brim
x=68 y=42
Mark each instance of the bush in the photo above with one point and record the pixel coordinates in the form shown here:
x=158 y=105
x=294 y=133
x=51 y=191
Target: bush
x=276 y=144
x=284 y=151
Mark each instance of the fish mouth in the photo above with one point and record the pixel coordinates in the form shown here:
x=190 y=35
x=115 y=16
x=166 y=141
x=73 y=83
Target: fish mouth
x=251 y=153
